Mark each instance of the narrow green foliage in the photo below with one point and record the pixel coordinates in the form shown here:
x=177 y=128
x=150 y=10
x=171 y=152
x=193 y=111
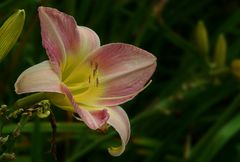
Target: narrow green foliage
x=206 y=141
x=220 y=138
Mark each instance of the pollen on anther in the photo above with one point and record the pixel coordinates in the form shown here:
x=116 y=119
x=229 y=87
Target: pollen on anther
x=91 y=64
x=97 y=82
x=89 y=79
x=96 y=66
x=95 y=70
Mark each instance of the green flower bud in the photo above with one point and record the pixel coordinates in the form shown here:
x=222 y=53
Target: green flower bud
x=201 y=38
x=220 y=51
x=44 y=109
x=10 y=31
x=235 y=67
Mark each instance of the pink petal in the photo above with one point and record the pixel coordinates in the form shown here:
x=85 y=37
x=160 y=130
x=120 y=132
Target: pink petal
x=89 y=40
x=38 y=78
x=125 y=70
x=93 y=119
x=119 y=121
x=59 y=35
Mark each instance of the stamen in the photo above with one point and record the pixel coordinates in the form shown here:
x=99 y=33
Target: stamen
x=97 y=81
x=95 y=70
x=89 y=79
x=96 y=66
x=91 y=64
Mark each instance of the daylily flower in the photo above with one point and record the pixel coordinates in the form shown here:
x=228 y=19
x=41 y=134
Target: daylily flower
x=83 y=77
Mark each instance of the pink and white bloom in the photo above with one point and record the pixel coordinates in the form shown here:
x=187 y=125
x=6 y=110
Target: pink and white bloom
x=83 y=77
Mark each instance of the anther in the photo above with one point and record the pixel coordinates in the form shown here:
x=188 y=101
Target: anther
x=95 y=70
x=91 y=64
x=96 y=66
x=97 y=82
x=89 y=79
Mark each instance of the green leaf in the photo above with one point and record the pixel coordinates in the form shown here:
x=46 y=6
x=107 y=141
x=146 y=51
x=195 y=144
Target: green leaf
x=10 y=31
x=199 y=151
x=220 y=139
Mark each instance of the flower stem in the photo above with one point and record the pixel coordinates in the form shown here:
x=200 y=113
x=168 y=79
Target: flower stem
x=17 y=108
x=29 y=100
x=53 y=149
x=13 y=137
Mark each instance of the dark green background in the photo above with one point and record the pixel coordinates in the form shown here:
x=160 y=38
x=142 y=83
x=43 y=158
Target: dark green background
x=187 y=114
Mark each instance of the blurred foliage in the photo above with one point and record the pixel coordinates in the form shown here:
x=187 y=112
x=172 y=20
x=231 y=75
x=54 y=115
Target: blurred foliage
x=190 y=112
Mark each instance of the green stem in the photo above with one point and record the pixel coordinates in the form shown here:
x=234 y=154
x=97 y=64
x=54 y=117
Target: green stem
x=3 y=110
x=30 y=100
x=45 y=127
x=22 y=103
x=12 y=139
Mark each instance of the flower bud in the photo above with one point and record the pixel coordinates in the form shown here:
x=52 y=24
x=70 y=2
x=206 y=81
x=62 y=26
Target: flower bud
x=220 y=52
x=235 y=68
x=10 y=31
x=201 y=38
x=44 y=109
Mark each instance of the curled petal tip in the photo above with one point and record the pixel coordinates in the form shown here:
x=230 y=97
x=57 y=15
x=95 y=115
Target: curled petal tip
x=115 y=151
x=119 y=121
